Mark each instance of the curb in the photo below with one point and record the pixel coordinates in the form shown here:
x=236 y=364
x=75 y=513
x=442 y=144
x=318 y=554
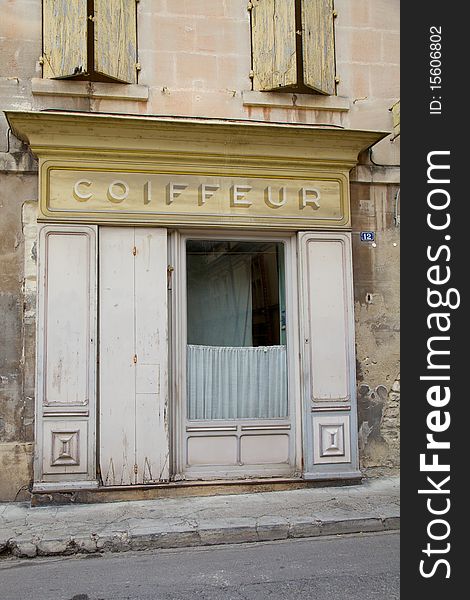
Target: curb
x=231 y=531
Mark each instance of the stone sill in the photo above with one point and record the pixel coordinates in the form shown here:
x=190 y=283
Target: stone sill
x=303 y=101
x=87 y=89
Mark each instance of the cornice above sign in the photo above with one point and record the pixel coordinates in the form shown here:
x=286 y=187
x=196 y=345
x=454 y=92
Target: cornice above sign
x=174 y=171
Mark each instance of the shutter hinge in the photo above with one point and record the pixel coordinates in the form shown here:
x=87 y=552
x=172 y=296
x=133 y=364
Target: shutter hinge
x=92 y=18
x=251 y=74
x=135 y=359
x=337 y=79
x=134 y=250
x=136 y=468
x=249 y=6
x=41 y=60
x=138 y=67
x=335 y=14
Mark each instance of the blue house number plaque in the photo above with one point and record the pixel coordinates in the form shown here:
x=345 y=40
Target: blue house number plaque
x=367 y=236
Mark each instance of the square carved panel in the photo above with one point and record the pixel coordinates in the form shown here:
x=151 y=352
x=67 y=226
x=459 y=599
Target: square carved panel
x=331 y=442
x=65 y=446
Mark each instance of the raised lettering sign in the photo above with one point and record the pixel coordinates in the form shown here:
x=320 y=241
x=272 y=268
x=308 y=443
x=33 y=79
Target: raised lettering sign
x=166 y=198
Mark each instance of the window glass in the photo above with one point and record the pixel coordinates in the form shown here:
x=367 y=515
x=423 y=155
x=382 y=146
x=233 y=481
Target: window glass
x=236 y=331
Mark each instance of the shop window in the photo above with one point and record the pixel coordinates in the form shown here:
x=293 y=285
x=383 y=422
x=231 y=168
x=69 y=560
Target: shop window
x=236 y=330
x=92 y=40
x=293 y=46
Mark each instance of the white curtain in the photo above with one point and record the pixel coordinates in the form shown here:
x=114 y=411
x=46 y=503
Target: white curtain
x=236 y=382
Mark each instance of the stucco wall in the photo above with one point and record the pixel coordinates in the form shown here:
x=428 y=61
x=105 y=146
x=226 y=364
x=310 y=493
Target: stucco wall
x=376 y=306
x=16 y=359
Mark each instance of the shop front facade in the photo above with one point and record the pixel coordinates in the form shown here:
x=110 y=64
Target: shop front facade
x=199 y=245
x=195 y=316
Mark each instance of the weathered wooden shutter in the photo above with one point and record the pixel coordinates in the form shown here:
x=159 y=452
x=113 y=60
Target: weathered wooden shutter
x=273 y=44
x=64 y=38
x=327 y=330
x=318 y=45
x=115 y=39
x=66 y=354
x=396 y=118
x=133 y=356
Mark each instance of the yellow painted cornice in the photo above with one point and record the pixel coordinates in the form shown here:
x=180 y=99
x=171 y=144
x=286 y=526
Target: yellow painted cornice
x=132 y=138
x=99 y=168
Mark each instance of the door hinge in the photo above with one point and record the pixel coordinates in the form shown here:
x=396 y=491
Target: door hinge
x=134 y=250
x=169 y=274
x=134 y=359
x=249 y=6
x=136 y=468
x=138 y=67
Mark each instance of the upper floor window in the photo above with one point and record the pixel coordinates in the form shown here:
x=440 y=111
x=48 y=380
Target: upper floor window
x=293 y=45
x=94 y=40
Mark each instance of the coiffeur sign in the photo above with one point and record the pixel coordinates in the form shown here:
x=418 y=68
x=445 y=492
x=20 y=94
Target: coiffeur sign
x=170 y=198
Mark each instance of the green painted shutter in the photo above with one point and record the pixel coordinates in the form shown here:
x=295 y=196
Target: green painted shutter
x=64 y=38
x=115 y=39
x=318 y=45
x=273 y=44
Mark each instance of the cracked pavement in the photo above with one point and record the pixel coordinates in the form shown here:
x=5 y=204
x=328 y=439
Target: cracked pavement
x=27 y=531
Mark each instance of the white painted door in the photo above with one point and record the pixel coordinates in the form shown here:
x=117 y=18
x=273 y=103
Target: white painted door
x=328 y=358
x=238 y=419
x=133 y=355
x=66 y=355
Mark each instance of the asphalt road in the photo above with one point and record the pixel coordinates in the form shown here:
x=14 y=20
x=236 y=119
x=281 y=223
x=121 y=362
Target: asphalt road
x=348 y=567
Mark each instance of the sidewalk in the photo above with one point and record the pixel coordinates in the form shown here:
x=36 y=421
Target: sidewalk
x=198 y=521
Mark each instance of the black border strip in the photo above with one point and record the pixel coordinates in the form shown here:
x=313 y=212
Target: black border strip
x=433 y=274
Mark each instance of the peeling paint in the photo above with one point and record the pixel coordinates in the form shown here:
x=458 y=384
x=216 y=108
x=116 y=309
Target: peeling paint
x=377 y=297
